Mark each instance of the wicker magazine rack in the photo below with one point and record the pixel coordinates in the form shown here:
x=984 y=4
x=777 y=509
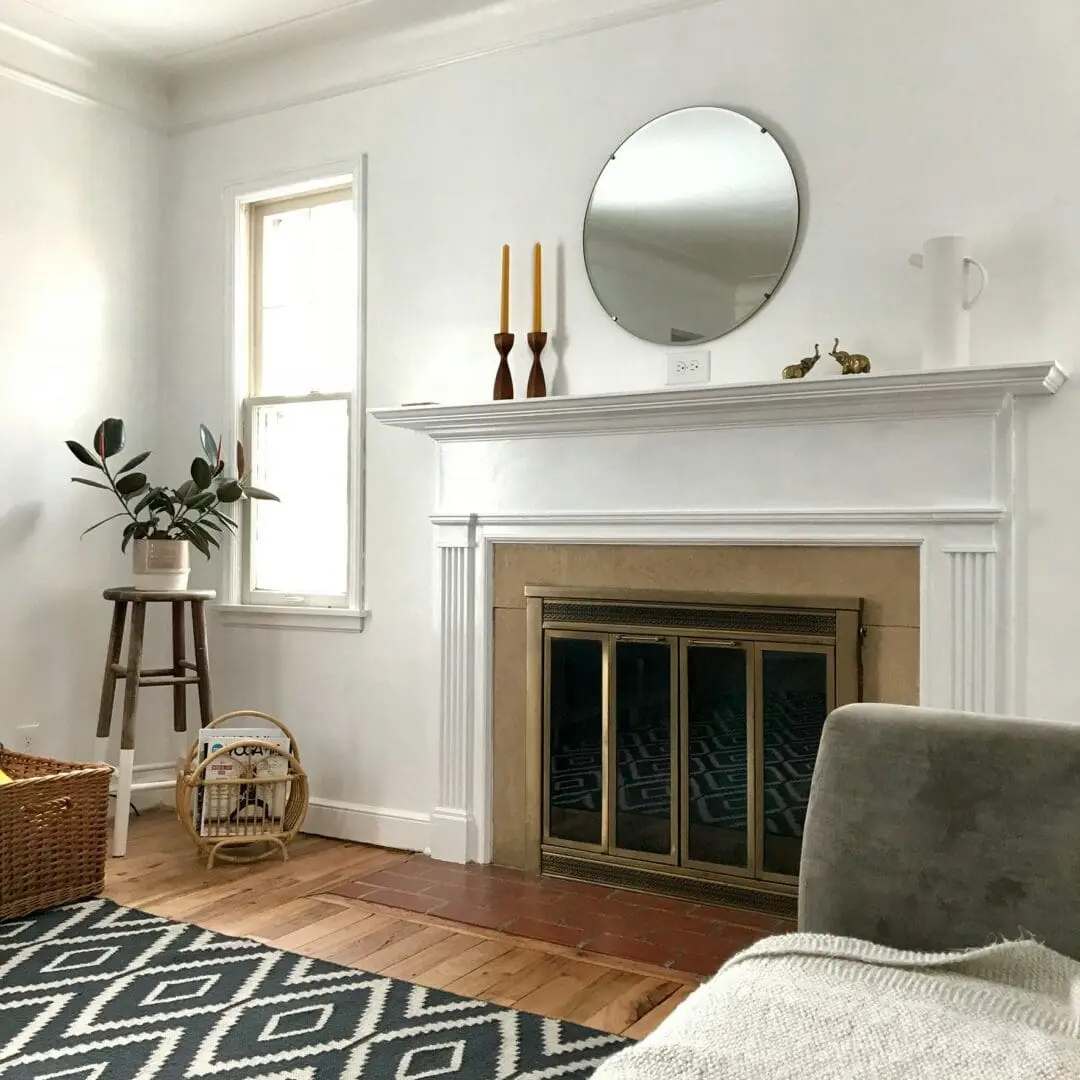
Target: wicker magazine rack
x=53 y=832
x=247 y=799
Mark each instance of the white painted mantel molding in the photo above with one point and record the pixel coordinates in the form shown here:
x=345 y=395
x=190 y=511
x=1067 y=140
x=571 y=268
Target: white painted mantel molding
x=933 y=460
x=927 y=393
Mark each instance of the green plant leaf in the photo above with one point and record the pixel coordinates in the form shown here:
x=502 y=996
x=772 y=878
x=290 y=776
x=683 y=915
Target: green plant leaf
x=201 y=473
x=137 y=460
x=110 y=437
x=103 y=521
x=197 y=529
x=225 y=520
x=131 y=484
x=144 y=502
x=83 y=454
x=90 y=483
x=192 y=534
x=230 y=491
x=202 y=501
x=240 y=462
x=209 y=444
x=208 y=524
x=160 y=501
x=129 y=531
x=186 y=489
x=143 y=529
x=258 y=493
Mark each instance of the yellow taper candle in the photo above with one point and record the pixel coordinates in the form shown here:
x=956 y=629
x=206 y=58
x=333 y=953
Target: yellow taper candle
x=538 y=292
x=504 y=309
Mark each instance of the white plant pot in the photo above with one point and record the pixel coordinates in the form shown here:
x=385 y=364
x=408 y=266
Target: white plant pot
x=161 y=565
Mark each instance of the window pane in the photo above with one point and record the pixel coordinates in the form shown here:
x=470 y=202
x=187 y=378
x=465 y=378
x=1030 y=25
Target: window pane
x=307 y=304
x=300 y=452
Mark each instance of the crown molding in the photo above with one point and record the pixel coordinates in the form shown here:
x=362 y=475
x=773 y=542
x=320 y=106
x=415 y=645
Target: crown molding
x=944 y=392
x=82 y=78
x=334 y=56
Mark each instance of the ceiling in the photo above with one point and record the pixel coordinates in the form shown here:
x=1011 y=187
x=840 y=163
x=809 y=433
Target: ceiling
x=171 y=32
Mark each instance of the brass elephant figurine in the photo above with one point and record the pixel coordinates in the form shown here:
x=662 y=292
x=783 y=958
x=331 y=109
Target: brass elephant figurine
x=850 y=363
x=799 y=370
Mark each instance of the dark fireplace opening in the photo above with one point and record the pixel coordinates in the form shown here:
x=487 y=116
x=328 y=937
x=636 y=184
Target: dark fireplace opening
x=679 y=738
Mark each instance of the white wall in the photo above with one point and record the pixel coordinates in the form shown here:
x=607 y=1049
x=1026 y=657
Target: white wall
x=79 y=247
x=904 y=120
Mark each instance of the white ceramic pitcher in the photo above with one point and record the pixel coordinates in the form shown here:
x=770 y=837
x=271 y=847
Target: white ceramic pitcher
x=948 y=297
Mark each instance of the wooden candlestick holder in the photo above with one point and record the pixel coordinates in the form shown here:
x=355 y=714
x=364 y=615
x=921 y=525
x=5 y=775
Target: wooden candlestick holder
x=504 y=381
x=537 y=383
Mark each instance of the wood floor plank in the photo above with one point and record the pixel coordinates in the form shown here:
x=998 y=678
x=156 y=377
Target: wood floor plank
x=651 y=1020
x=411 y=967
x=476 y=954
x=594 y=997
x=291 y=905
x=332 y=946
x=343 y=922
x=488 y=974
x=514 y=987
x=555 y=994
x=626 y=1009
x=373 y=940
x=408 y=946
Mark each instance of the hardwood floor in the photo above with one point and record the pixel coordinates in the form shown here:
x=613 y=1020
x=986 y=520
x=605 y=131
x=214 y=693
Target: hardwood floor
x=289 y=905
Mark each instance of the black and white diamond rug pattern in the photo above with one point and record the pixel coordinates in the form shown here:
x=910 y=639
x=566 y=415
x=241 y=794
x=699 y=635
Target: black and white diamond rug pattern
x=94 y=991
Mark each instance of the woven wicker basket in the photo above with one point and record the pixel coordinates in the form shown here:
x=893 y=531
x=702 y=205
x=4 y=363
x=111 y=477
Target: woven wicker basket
x=53 y=832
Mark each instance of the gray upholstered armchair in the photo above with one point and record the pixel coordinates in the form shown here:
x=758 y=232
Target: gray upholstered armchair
x=936 y=830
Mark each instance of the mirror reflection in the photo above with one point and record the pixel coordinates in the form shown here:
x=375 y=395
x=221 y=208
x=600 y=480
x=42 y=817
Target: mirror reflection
x=691 y=226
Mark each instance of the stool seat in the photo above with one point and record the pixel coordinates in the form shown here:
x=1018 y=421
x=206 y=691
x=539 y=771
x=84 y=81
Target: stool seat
x=182 y=673
x=134 y=595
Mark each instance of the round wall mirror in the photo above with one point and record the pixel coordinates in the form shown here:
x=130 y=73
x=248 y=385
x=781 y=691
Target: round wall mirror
x=691 y=226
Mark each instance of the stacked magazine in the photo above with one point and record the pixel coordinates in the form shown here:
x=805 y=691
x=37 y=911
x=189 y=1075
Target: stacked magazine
x=240 y=809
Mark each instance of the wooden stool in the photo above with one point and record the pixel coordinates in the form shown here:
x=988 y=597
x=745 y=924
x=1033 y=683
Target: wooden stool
x=182 y=672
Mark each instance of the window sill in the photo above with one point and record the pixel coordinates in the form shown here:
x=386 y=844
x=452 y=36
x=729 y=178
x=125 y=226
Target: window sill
x=342 y=620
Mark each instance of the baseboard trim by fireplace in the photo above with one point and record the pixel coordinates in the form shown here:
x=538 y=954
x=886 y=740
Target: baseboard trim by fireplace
x=782 y=902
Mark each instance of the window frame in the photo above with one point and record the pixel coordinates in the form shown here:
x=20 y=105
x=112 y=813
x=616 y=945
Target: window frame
x=247 y=205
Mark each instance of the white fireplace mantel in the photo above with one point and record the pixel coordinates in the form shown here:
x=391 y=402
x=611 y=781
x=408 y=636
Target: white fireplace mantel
x=930 y=459
x=837 y=397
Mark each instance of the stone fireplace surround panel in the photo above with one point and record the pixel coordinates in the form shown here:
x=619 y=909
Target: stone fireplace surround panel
x=887 y=578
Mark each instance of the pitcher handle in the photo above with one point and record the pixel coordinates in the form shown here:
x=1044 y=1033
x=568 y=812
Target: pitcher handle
x=984 y=281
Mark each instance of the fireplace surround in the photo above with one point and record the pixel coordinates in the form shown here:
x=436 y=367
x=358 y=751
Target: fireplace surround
x=932 y=460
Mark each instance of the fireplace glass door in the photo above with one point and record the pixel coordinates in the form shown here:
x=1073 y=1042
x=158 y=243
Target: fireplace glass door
x=688 y=752
x=644 y=693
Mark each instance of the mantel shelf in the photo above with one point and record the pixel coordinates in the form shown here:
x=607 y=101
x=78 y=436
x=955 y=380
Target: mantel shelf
x=814 y=400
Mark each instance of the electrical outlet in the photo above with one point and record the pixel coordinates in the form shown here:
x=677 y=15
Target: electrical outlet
x=688 y=367
x=27 y=737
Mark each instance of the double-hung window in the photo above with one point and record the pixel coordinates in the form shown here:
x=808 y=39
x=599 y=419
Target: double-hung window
x=299 y=414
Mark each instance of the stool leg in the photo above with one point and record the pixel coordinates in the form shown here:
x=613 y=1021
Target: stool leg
x=202 y=660
x=127 y=732
x=108 y=686
x=179 y=692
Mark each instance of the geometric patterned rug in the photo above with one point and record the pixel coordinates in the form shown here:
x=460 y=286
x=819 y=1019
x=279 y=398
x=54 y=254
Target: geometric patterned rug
x=94 y=991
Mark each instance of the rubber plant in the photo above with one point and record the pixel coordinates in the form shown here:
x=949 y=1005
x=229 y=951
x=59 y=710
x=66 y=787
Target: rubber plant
x=193 y=511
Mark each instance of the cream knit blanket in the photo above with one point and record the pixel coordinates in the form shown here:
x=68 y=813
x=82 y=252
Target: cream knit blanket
x=811 y=1007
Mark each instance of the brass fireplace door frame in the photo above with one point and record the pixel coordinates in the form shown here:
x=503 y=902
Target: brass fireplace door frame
x=841 y=647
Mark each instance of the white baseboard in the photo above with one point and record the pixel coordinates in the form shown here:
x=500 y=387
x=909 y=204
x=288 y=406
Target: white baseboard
x=382 y=825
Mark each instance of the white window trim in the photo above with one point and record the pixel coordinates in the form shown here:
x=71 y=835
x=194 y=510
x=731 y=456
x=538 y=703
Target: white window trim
x=231 y=609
